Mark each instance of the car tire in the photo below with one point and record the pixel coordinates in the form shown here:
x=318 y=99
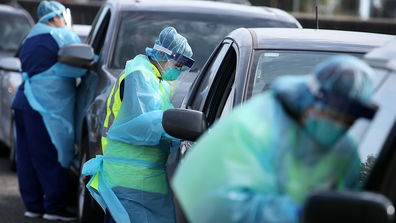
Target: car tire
x=85 y=212
x=12 y=147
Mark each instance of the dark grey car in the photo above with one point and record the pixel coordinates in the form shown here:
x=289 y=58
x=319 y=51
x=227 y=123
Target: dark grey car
x=244 y=65
x=123 y=29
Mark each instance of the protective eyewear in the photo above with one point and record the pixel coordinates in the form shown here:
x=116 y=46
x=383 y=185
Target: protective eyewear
x=178 y=60
x=340 y=103
x=68 y=18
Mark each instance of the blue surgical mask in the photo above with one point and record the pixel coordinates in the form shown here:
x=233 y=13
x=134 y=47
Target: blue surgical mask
x=171 y=74
x=324 y=130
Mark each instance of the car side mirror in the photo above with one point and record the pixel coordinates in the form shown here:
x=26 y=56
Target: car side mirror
x=77 y=54
x=347 y=206
x=10 y=64
x=184 y=123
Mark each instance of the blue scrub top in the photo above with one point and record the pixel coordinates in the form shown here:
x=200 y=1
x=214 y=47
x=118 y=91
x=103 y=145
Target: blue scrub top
x=37 y=54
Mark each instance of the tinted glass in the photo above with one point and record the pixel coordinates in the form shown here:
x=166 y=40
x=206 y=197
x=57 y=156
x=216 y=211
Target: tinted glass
x=369 y=135
x=13 y=30
x=271 y=64
x=139 y=30
x=209 y=76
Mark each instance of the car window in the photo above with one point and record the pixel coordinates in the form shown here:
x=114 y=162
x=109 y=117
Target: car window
x=369 y=135
x=373 y=138
x=229 y=103
x=139 y=30
x=206 y=78
x=13 y=29
x=221 y=87
x=269 y=64
x=99 y=31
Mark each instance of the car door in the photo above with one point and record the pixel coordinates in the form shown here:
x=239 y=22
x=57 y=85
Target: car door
x=98 y=39
x=212 y=88
x=381 y=140
x=210 y=93
x=88 y=133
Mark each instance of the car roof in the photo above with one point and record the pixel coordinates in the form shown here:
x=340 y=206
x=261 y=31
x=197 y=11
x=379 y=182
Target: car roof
x=10 y=9
x=317 y=39
x=384 y=52
x=383 y=56
x=207 y=7
x=7 y=9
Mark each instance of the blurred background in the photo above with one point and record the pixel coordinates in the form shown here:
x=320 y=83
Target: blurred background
x=378 y=16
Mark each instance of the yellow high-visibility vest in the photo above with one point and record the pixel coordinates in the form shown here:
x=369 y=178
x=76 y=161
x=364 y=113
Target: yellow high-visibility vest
x=150 y=154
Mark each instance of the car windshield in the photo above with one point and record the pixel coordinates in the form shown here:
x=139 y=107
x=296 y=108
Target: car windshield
x=13 y=29
x=269 y=64
x=139 y=30
x=368 y=134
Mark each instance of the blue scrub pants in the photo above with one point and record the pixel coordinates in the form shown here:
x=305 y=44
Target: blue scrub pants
x=108 y=217
x=42 y=180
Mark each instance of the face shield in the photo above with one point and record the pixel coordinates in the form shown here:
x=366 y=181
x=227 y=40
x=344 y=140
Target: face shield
x=68 y=18
x=175 y=70
x=66 y=14
x=332 y=116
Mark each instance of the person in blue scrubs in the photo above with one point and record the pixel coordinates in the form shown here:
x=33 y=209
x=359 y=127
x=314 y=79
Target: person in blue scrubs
x=42 y=160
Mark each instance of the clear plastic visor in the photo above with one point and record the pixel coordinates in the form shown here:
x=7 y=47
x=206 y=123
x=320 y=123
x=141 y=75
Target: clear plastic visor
x=176 y=59
x=178 y=62
x=338 y=107
x=177 y=65
x=68 y=17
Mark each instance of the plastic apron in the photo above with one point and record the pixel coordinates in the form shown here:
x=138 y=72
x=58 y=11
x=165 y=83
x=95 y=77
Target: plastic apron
x=130 y=178
x=52 y=93
x=258 y=165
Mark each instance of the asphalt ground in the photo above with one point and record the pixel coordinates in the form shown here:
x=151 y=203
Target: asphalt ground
x=11 y=205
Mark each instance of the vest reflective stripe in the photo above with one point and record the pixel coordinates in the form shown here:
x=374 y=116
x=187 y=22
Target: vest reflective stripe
x=145 y=170
x=145 y=178
x=113 y=106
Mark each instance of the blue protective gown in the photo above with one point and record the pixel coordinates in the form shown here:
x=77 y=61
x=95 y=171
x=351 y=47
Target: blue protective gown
x=130 y=178
x=47 y=85
x=258 y=165
x=44 y=117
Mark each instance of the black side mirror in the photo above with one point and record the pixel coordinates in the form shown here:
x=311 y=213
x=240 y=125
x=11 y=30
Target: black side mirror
x=10 y=64
x=347 y=206
x=184 y=123
x=77 y=54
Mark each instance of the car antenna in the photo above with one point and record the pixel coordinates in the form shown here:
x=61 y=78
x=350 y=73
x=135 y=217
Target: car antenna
x=317 y=20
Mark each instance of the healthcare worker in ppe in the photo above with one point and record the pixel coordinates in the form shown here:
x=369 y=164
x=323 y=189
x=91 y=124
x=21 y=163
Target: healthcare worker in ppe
x=130 y=180
x=259 y=163
x=43 y=108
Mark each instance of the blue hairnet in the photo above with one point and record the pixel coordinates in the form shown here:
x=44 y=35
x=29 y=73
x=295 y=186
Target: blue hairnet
x=170 y=39
x=49 y=9
x=344 y=75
